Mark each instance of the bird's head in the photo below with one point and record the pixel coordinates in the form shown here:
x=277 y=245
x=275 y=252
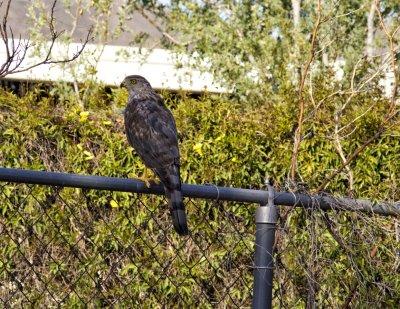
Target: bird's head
x=136 y=85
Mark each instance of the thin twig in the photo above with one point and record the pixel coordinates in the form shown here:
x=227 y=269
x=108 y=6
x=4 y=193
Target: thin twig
x=164 y=33
x=386 y=124
x=16 y=53
x=392 y=50
x=391 y=114
x=297 y=137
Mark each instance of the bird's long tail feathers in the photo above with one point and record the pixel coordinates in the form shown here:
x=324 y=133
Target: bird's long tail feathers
x=177 y=211
x=170 y=178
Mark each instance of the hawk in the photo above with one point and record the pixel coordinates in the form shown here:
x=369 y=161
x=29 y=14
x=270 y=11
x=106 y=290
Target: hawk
x=151 y=131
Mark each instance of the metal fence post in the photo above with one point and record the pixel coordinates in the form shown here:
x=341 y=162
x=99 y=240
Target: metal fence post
x=266 y=217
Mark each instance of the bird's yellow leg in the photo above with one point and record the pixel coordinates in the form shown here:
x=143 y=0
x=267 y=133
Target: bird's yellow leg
x=147 y=177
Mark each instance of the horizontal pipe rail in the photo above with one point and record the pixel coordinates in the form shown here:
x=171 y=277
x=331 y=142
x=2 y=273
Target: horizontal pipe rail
x=325 y=202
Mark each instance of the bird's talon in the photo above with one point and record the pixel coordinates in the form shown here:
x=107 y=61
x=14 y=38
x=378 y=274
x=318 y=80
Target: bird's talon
x=147 y=181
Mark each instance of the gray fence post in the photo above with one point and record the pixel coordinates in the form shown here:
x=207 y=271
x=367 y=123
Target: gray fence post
x=266 y=217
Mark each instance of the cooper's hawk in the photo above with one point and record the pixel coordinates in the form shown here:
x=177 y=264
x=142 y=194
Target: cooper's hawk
x=151 y=131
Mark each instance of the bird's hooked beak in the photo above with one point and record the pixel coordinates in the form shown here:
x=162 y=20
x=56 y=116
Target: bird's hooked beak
x=123 y=84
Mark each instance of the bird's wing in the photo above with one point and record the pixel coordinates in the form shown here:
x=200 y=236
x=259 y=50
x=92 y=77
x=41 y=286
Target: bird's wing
x=168 y=115
x=152 y=132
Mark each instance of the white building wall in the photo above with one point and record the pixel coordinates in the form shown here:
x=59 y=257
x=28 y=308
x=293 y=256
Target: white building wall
x=158 y=66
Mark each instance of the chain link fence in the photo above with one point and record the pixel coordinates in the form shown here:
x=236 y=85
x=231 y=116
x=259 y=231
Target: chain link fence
x=78 y=247
x=72 y=247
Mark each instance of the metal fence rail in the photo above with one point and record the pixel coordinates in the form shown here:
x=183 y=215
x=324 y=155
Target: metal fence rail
x=324 y=202
x=74 y=240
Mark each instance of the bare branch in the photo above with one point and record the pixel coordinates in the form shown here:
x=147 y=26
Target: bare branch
x=386 y=124
x=164 y=33
x=390 y=118
x=392 y=49
x=16 y=53
x=339 y=149
x=369 y=48
x=300 y=121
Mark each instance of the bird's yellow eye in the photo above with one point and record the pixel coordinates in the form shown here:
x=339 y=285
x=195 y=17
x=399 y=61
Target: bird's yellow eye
x=133 y=81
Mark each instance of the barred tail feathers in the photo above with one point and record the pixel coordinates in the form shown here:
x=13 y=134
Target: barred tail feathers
x=177 y=209
x=170 y=178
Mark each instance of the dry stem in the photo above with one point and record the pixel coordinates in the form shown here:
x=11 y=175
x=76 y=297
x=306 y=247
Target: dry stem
x=16 y=52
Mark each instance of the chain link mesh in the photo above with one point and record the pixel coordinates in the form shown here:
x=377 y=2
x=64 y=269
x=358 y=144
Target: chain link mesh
x=336 y=259
x=74 y=247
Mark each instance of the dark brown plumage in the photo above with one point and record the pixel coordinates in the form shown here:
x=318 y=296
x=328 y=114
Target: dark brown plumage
x=151 y=131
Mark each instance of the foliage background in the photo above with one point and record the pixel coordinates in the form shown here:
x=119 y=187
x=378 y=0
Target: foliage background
x=225 y=143
x=288 y=117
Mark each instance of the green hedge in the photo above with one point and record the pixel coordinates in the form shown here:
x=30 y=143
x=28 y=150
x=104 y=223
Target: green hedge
x=221 y=142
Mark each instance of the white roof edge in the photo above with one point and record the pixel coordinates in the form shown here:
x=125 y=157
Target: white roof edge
x=158 y=66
